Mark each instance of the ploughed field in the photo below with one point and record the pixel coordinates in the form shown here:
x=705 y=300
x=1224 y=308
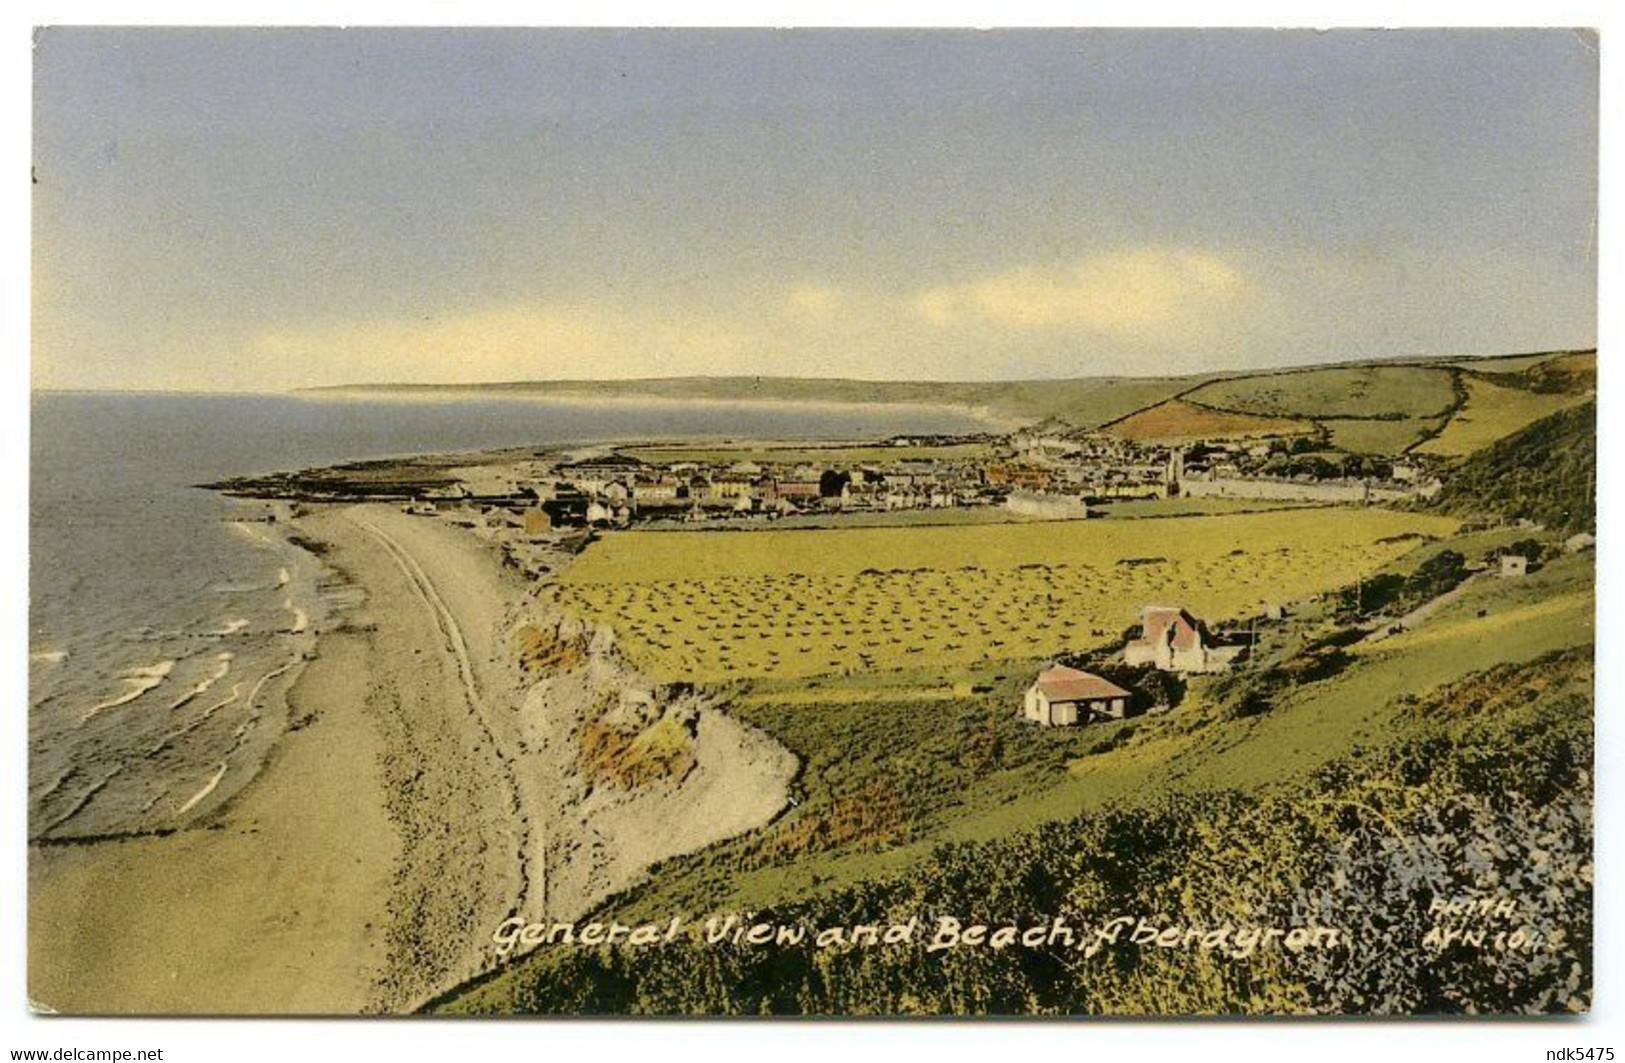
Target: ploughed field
x=714 y=606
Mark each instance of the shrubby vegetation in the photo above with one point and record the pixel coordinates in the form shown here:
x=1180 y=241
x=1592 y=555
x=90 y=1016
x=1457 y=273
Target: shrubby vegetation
x=1487 y=800
x=1397 y=593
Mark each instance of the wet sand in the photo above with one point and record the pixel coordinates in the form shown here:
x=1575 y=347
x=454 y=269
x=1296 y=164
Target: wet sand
x=278 y=906
x=364 y=836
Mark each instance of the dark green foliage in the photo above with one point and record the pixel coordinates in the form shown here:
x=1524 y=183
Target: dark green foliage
x=1253 y=692
x=1437 y=575
x=1312 y=465
x=1533 y=549
x=1383 y=591
x=1393 y=593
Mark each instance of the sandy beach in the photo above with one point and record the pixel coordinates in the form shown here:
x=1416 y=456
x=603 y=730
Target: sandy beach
x=424 y=791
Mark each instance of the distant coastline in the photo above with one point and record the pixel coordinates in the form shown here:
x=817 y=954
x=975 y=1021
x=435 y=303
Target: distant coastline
x=1081 y=401
x=428 y=393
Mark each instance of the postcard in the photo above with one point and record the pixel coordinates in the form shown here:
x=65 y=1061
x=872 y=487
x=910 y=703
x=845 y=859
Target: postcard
x=812 y=522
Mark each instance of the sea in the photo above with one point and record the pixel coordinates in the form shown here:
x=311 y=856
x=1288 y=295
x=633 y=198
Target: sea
x=162 y=624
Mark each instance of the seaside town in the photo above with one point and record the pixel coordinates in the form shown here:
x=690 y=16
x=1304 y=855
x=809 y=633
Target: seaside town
x=1045 y=472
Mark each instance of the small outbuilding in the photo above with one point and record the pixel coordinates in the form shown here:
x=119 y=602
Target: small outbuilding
x=1065 y=697
x=1513 y=566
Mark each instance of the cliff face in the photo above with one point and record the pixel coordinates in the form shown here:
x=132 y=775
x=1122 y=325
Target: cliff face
x=639 y=772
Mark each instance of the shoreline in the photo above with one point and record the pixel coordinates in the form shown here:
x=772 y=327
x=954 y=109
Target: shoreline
x=421 y=790
x=231 y=913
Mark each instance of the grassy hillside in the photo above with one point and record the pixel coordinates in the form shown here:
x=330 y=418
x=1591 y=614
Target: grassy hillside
x=1355 y=435
x=1083 y=403
x=1374 y=407
x=804 y=453
x=1546 y=472
x=1486 y=794
x=1370 y=391
x=1494 y=411
x=1177 y=420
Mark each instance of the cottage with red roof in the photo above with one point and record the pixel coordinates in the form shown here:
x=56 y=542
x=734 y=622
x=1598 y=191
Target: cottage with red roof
x=1064 y=697
x=1174 y=641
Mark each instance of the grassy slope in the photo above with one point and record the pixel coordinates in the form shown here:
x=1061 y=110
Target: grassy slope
x=1378 y=407
x=1400 y=391
x=1545 y=472
x=1514 y=363
x=1356 y=436
x=802 y=453
x=1179 y=420
x=1083 y=402
x=1492 y=412
x=1414 y=391
x=1486 y=786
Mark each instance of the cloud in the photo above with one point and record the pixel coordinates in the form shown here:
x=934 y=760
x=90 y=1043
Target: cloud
x=501 y=344
x=1118 y=310
x=813 y=300
x=1116 y=292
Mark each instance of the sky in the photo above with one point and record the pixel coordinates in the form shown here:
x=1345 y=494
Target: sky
x=252 y=210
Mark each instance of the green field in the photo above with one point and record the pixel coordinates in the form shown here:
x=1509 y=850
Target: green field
x=1140 y=508
x=1370 y=391
x=1177 y=420
x=718 y=606
x=1494 y=412
x=862 y=518
x=1360 y=436
x=1516 y=363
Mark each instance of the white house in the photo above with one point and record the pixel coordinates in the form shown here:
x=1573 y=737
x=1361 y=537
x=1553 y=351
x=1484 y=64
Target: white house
x=1065 y=697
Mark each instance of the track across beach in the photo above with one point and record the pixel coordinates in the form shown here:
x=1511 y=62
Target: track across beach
x=530 y=841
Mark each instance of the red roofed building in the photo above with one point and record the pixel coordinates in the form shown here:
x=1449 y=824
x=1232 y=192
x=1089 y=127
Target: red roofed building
x=1174 y=641
x=1063 y=697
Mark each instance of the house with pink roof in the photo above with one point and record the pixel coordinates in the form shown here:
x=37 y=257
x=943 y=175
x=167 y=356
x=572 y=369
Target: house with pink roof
x=1064 y=697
